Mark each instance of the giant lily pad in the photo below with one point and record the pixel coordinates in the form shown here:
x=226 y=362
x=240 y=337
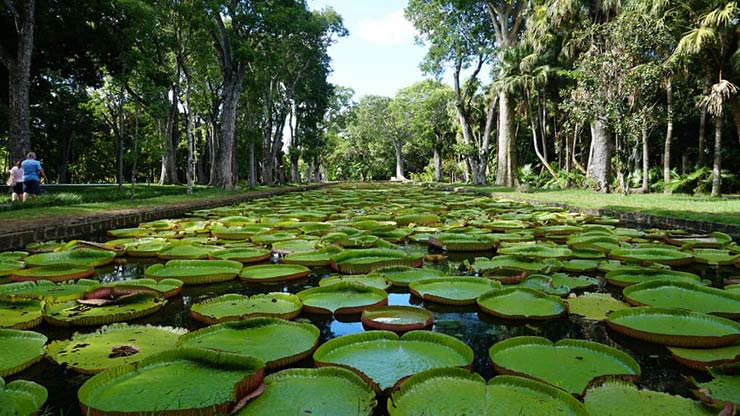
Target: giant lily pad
x=273 y=273
x=667 y=256
x=723 y=389
x=21 y=349
x=53 y=273
x=675 y=327
x=453 y=290
x=234 y=307
x=402 y=276
x=195 y=272
x=294 y=246
x=521 y=303
x=371 y=280
x=713 y=240
x=342 y=298
x=363 y=261
x=537 y=251
x=715 y=257
x=450 y=391
x=20 y=314
x=685 y=296
x=111 y=346
x=8 y=266
x=570 y=364
x=166 y=288
x=703 y=358
x=312 y=258
x=397 y=318
x=181 y=381
x=383 y=358
x=185 y=251
x=21 y=397
x=78 y=257
x=43 y=289
x=275 y=341
x=629 y=276
x=72 y=313
x=617 y=398
x=148 y=248
x=272 y=237
x=596 y=306
x=327 y=391
x=242 y=255
x=462 y=242
x=515 y=264
x=44 y=246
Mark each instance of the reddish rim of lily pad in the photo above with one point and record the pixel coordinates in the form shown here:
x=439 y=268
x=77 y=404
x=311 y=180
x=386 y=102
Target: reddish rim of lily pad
x=373 y=318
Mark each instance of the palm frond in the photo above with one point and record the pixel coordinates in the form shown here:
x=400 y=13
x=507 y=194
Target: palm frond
x=721 y=16
x=696 y=40
x=720 y=93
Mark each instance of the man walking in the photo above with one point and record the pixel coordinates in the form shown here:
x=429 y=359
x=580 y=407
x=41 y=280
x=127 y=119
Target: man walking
x=31 y=171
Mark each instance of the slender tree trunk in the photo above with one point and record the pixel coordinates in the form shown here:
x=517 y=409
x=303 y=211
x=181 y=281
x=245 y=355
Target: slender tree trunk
x=172 y=136
x=213 y=151
x=533 y=128
x=225 y=174
x=717 y=167
x=121 y=136
x=506 y=169
x=252 y=166
x=135 y=140
x=599 y=164
x=574 y=153
x=645 y=159
x=191 y=137
x=703 y=122
x=398 y=147
x=668 y=133
x=295 y=176
x=735 y=110
x=437 y=161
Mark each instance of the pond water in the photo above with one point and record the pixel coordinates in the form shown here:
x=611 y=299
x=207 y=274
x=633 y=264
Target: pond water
x=477 y=329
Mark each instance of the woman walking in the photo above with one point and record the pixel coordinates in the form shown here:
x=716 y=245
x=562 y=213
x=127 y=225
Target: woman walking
x=15 y=181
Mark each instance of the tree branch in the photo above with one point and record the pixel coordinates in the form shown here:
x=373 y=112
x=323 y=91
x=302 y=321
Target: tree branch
x=14 y=14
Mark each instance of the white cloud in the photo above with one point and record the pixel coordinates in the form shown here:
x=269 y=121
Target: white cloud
x=390 y=30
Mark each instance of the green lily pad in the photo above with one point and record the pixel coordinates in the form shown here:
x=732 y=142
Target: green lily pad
x=375 y=281
x=147 y=248
x=521 y=303
x=272 y=237
x=53 y=273
x=44 y=246
x=277 y=342
x=167 y=288
x=20 y=314
x=195 y=272
x=111 y=346
x=215 y=381
x=542 y=283
x=273 y=273
x=723 y=389
x=13 y=255
x=71 y=313
x=537 y=251
x=462 y=242
x=185 y=251
x=44 y=289
x=314 y=258
x=662 y=255
x=596 y=306
x=715 y=257
x=21 y=349
x=402 y=276
x=382 y=358
x=453 y=290
x=684 y=296
x=450 y=391
x=8 y=266
x=328 y=391
x=628 y=276
x=295 y=246
x=703 y=358
x=713 y=240
x=397 y=318
x=363 y=261
x=572 y=282
x=77 y=257
x=580 y=265
x=342 y=298
x=515 y=264
x=617 y=398
x=675 y=327
x=569 y=364
x=234 y=307
x=21 y=397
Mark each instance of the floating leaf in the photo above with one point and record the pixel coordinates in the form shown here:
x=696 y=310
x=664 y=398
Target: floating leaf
x=20 y=314
x=453 y=290
x=521 y=303
x=617 y=398
x=596 y=306
x=234 y=307
x=21 y=397
x=273 y=273
x=21 y=349
x=685 y=296
x=397 y=318
x=195 y=272
x=342 y=298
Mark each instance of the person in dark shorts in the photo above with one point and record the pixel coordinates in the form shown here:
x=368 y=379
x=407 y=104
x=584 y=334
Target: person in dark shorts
x=31 y=181
x=15 y=181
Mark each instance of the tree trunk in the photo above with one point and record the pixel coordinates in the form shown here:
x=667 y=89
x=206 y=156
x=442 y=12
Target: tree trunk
x=506 y=169
x=121 y=134
x=703 y=122
x=668 y=133
x=295 y=176
x=191 y=138
x=645 y=159
x=599 y=164
x=437 y=161
x=717 y=167
x=65 y=150
x=19 y=73
x=533 y=128
x=252 y=166
x=172 y=136
x=398 y=147
x=225 y=174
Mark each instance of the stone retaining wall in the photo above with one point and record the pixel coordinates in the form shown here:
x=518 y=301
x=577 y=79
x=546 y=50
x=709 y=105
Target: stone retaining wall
x=15 y=235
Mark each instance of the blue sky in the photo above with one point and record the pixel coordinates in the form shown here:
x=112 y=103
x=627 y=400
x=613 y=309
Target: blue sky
x=379 y=56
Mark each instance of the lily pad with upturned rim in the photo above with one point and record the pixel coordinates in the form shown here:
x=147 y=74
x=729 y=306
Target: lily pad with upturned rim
x=233 y=307
x=216 y=381
x=596 y=306
x=327 y=391
x=667 y=256
x=397 y=318
x=451 y=391
x=52 y=273
x=44 y=289
x=315 y=258
x=383 y=358
x=21 y=349
x=715 y=257
x=623 y=277
x=275 y=341
x=570 y=364
x=675 y=327
x=273 y=273
x=485 y=265
x=684 y=296
x=111 y=346
x=521 y=303
x=79 y=257
x=723 y=389
x=375 y=281
x=167 y=288
x=72 y=313
x=8 y=267
x=363 y=261
x=703 y=358
x=21 y=397
x=453 y=290
x=195 y=272
x=617 y=398
x=342 y=298
x=21 y=314
x=185 y=251
x=402 y=276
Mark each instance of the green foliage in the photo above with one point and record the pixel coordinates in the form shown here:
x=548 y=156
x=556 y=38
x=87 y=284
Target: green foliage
x=700 y=182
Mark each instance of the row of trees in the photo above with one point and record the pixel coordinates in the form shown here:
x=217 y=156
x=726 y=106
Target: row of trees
x=579 y=93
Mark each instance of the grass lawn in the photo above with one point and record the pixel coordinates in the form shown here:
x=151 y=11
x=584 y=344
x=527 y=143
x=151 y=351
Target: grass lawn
x=60 y=200
x=695 y=207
